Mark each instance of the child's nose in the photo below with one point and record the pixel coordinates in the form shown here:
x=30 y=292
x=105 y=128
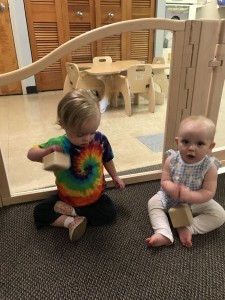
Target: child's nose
x=191 y=147
x=86 y=138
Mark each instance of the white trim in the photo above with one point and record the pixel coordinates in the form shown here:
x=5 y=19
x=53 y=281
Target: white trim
x=189 y=2
x=159 y=34
x=21 y=39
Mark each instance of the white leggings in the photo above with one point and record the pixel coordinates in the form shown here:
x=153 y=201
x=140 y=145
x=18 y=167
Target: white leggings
x=207 y=217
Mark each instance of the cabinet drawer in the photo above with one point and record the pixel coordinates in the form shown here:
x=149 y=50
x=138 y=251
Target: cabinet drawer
x=79 y=14
x=110 y=15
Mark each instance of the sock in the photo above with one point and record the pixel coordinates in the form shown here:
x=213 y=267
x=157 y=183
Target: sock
x=68 y=221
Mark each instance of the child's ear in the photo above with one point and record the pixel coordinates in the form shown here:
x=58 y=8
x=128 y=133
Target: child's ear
x=212 y=145
x=176 y=140
x=60 y=124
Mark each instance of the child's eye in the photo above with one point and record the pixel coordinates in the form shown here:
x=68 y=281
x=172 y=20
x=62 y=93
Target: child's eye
x=201 y=143
x=82 y=135
x=185 y=142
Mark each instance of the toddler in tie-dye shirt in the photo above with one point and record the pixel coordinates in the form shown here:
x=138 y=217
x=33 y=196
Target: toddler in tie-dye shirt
x=189 y=176
x=81 y=197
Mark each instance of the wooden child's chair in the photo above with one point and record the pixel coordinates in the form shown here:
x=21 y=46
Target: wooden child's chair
x=158 y=60
x=81 y=80
x=72 y=76
x=137 y=81
x=102 y=60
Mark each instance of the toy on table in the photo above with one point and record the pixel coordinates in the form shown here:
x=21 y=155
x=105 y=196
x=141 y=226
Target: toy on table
x=56 y=161
x=181 y=215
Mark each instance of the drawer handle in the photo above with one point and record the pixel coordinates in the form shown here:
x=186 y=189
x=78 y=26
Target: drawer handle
x=79 y=14
x=2 y=6
x=110 y=15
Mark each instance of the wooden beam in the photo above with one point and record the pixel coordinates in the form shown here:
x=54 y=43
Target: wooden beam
x=45 y=193
x=4 y=186
x=87 y=38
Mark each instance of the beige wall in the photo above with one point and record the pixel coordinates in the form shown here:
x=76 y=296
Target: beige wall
x=211 y=11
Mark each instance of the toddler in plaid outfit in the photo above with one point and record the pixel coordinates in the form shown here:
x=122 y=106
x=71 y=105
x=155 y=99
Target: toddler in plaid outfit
x=189 y=175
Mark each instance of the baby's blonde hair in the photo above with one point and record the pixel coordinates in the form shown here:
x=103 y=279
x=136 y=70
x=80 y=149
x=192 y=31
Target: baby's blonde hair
x=203 y=120
x=77 y=107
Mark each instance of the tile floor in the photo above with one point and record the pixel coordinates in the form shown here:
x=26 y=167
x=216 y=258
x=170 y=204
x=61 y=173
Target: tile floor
x=26 y=120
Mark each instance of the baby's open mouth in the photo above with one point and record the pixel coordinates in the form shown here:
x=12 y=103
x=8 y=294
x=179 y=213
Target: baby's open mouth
x=191 y=156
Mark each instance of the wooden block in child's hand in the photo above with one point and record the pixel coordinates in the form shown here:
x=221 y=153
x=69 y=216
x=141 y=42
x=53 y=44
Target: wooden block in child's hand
x=56 y=161
x=181 y=216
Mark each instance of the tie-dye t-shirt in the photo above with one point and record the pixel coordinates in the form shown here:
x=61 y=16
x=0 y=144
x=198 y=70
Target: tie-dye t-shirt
x=84 y=182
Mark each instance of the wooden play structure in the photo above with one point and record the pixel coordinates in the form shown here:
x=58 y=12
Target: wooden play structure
x=197 y=76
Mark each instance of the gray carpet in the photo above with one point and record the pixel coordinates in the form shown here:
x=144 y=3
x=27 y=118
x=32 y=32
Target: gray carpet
x=110 y=262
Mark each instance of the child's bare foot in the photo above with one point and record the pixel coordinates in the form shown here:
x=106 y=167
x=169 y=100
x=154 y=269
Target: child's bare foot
x=185 y=236
x=157 y=240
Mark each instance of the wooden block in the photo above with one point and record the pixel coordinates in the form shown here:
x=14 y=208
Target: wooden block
x=181 y=216
x=56 y=161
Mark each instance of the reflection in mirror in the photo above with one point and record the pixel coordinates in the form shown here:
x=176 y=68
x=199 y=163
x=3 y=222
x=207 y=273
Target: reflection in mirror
x=28 y=120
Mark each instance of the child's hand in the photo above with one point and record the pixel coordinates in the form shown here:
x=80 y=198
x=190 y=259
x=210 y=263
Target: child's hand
x=119 y=183
x=37 y=154
x=175 y=191
x=184 y=193
x=54 y=148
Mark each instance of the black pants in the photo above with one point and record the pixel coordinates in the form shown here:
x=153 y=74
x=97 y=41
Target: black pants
x=101 y=212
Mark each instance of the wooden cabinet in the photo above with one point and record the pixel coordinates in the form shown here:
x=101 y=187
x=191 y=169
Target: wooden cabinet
x=53 y=22
x=108 y=12
x=79 y=17
x=8 y=59
x=133 y=45
x=46 y=33
x=141 y=43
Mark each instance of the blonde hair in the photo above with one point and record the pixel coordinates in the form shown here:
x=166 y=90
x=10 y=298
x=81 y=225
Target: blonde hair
x=203 y=120
x=77 y=107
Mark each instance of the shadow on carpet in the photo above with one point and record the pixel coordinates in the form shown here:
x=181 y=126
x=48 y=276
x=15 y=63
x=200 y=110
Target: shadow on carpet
x=110 y=262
